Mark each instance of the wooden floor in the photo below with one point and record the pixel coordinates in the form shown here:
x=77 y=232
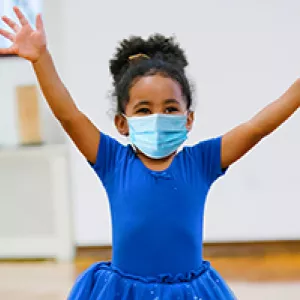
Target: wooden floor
x=270 y=268
x=273 y=277
x=257 y=269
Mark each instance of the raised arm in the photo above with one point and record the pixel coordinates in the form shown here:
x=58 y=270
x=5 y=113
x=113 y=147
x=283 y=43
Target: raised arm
x=31 y=45
x=241 y=139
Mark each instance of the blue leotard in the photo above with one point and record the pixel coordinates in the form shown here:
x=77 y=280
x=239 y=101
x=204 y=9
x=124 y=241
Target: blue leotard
x=157 y=221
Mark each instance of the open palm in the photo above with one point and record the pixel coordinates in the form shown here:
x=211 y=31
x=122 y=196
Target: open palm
x=26 y=42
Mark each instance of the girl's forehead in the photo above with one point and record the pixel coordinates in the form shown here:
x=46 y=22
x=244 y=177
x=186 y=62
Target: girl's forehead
x=155 y=88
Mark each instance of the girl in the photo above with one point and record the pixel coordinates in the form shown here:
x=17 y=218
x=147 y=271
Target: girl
x=156 y=194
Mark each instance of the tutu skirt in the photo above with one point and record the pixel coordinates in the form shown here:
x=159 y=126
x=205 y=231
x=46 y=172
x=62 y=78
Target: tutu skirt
x=103 y=281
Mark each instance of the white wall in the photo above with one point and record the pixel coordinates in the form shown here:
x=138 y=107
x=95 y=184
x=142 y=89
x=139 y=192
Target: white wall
x=243 y=55
x=47 y=173
x=15 y=71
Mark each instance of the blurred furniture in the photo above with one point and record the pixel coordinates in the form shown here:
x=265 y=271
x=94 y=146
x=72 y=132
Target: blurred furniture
x=28 y=115
x=35 y=213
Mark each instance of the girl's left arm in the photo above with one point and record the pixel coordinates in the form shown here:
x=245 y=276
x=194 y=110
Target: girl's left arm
x=241 y=139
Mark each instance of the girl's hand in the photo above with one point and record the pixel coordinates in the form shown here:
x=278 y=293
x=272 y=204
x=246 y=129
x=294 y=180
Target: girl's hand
x=27 y=43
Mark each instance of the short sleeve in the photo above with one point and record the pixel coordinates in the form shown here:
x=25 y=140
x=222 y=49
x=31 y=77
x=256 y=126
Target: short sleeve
x=110 y=153
x=207 y=155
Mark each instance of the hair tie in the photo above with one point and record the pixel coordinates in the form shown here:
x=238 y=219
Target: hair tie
x=139 y=55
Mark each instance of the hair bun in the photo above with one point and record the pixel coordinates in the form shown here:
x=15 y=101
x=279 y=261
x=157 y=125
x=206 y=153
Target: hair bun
x=166 y=49
x=156 y=46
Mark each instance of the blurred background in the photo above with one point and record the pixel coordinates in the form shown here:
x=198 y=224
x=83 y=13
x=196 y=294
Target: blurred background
x=54 y=215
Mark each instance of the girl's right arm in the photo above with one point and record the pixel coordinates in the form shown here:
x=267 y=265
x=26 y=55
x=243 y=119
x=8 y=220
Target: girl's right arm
x=80 y=129
x=31 y=45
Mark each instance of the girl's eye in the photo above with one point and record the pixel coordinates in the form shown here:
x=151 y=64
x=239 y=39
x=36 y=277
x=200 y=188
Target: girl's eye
x=171 y=110
x=143 y=110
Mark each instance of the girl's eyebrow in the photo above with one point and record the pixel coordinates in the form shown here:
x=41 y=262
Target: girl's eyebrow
x=140 y=103
x=171 y=101
x=146 y=102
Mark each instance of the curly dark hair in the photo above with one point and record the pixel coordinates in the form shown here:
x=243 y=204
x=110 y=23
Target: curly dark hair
x=158 y=55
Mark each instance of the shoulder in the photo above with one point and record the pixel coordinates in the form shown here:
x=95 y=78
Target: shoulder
x=206 y=157
x=204 y=147
x=112 y=147
x=110 y=156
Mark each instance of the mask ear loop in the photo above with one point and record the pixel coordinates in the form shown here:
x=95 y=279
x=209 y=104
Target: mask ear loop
x=187 y=112
x=133 y=148
x=128 y=137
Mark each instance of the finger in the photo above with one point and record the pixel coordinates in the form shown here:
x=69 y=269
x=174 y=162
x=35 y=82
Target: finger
x=39 y=23
x=7 y=51
x=7 y=34
x=13 y=25
x=20 y=16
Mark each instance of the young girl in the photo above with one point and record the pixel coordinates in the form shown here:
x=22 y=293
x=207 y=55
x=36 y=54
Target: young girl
x=156 y=194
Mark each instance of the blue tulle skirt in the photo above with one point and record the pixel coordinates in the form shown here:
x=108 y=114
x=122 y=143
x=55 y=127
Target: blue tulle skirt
x=103 y=281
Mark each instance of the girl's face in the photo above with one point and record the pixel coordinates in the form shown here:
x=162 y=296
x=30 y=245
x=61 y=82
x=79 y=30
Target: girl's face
x=154 y=94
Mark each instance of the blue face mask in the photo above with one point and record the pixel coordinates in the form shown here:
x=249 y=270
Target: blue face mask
x=157 y=135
